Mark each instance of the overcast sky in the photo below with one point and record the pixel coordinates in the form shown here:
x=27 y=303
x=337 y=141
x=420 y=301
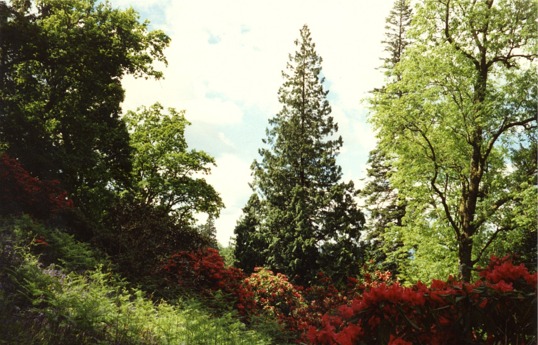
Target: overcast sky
x=224 y=69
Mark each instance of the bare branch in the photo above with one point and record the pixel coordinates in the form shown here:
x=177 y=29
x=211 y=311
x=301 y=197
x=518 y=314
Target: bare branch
x=488 y=243
x=433 y=181
x=450 y=40
x=504 y=127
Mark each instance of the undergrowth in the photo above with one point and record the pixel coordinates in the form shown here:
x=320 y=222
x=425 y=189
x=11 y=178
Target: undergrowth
x=55 y=290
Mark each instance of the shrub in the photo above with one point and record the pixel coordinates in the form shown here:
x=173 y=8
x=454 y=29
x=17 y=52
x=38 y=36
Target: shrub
x=136 y=230
x=500 y=307
x=20 y=192
x=203 y=271
x=275 y=297
x=48 y=304
x=265 y=301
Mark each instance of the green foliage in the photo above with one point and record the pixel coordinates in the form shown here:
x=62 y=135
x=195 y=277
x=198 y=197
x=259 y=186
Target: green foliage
x=386 y=208
x=60 y=96
x=202 y=329
x=209 y=230
x=396 y=34
x=156 y=215
x=227 y=253
x=249 y=241
x=43 y=304
x=308 y=219
x=465 y=97
x=53 y=245
x=93 y=306
x=522 y=218
x=452 y=182
x=164 y=171
x=144 y=231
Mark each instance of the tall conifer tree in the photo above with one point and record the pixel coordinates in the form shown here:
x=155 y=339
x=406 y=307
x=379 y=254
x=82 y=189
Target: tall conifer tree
x=308 y=217
x=385 y=207
x=396 y=27
x=249 y=244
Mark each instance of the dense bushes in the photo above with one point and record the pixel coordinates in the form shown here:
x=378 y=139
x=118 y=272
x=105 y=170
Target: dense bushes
x=203 y=272
x=53 y=290
x=500 y=307
x=56 y=291
x=65 y=297
x=136 y=230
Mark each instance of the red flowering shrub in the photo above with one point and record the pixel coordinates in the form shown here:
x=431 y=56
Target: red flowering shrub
x=498 y=308
x=501 y=307
x=325 y=296
x=273 y=293
x=20 y=192
x=372 y=278
x=204 y=271
x=502 y=270
x=275 y=296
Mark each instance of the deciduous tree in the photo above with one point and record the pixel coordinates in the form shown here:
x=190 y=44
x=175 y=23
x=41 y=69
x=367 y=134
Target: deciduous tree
x=61 y=65
x=156 y=216
x=166 y=174
x=468 y=89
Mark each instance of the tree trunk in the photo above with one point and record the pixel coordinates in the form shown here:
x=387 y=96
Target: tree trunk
x=468 y=211
x=465 y=259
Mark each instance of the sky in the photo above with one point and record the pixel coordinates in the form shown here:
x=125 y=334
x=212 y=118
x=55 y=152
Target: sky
x=224 y=69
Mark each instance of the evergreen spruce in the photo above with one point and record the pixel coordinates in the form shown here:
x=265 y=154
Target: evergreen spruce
x=397 y=25
x=249 y=244
x=385 y=208
x=308 y=218
x=208 y=231
x=382 y=201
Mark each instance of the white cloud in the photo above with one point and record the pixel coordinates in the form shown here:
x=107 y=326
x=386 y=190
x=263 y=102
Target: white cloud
x=139 y=4
x=225 y=140
x=230 y=178
x=225 y=61
x=213 y=111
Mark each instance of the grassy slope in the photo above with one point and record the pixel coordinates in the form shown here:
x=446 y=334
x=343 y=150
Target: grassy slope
x=55 y=290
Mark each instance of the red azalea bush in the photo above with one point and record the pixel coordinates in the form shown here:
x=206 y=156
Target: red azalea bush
x=325 y=296
x=498 y=308
x=204 y=271
x=274 y=293
x=275 y=296
x=20 y=192
x=489 y=311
